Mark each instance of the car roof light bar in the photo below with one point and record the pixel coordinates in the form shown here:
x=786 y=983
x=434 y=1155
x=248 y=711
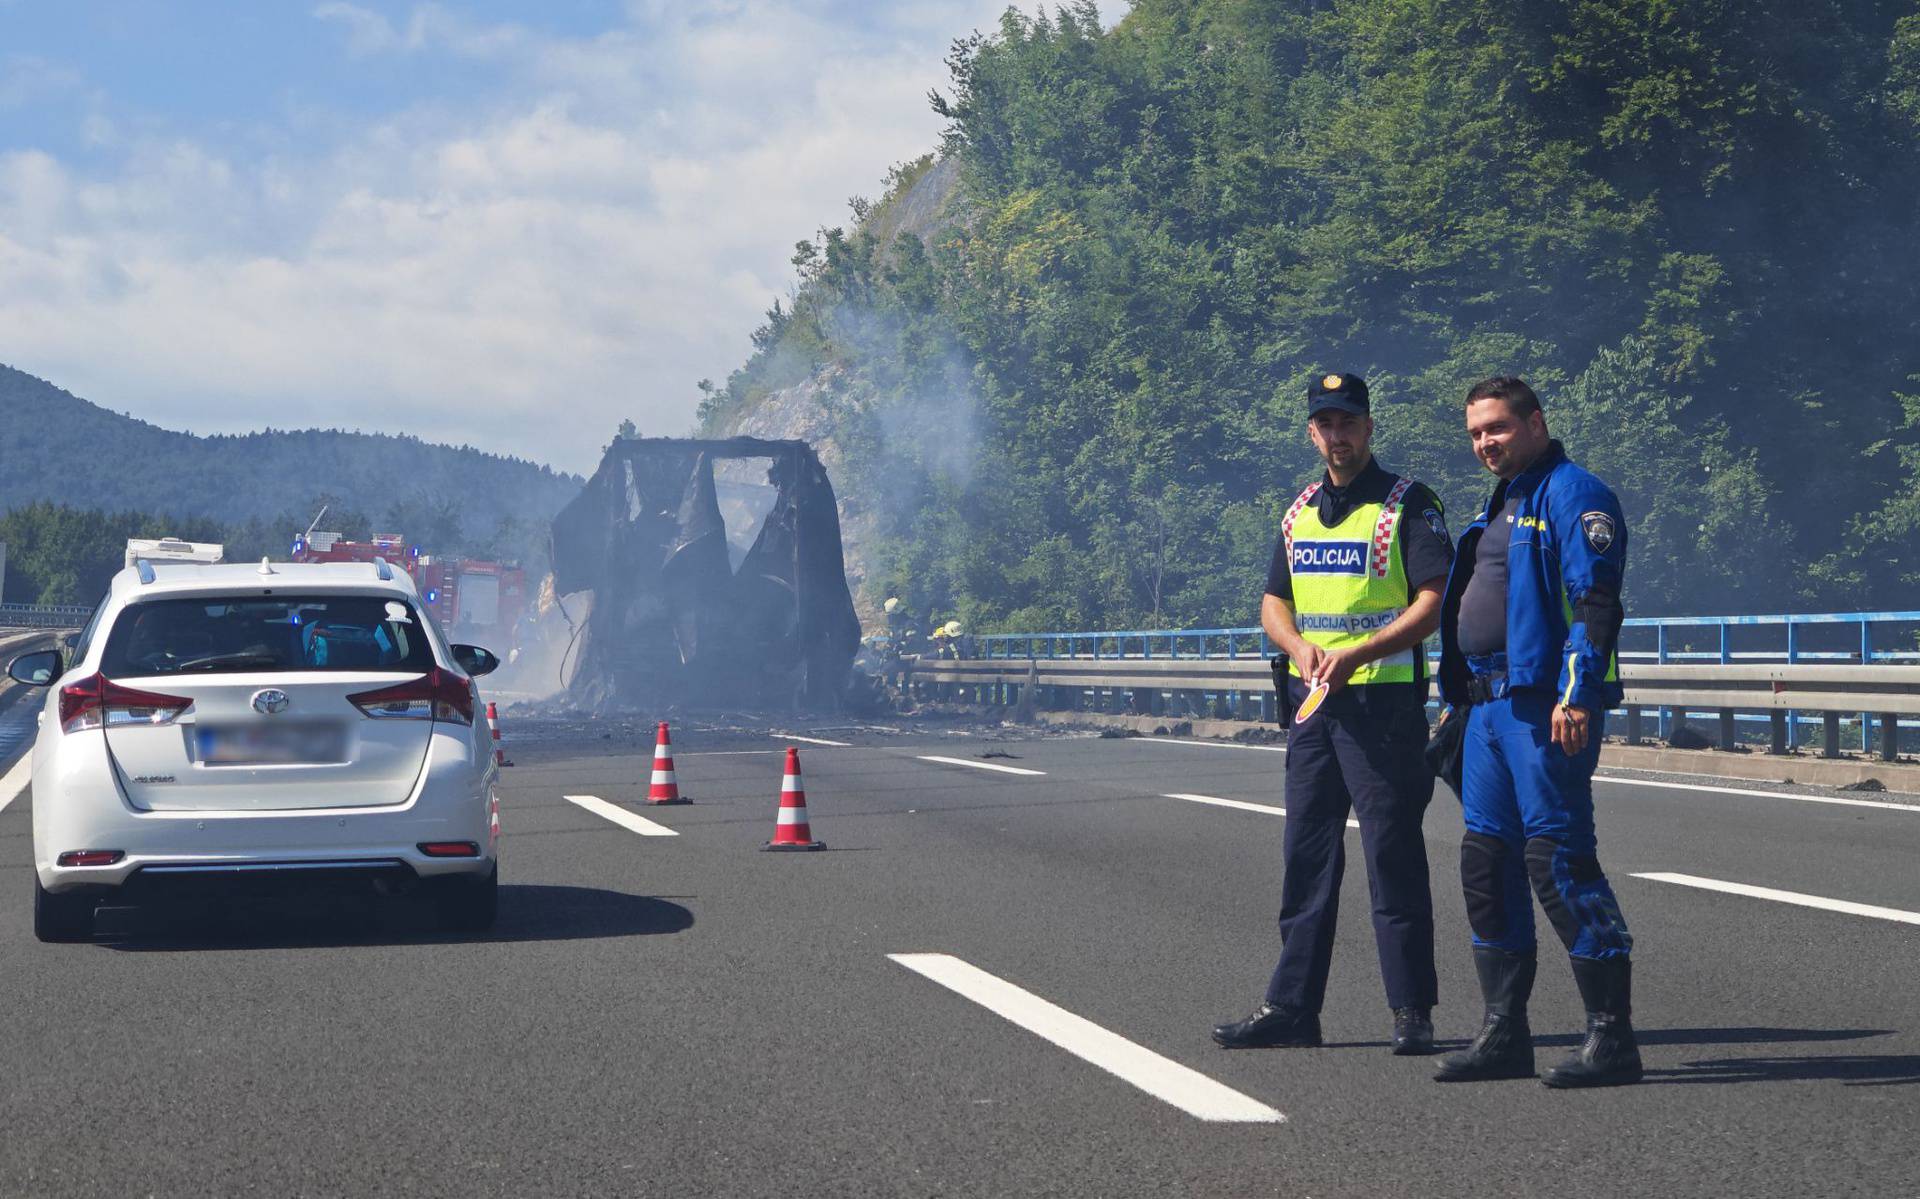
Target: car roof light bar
x=146 y=570
x=381 y=568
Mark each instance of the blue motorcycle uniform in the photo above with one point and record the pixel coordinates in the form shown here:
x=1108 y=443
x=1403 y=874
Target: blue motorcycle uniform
x=1528 y=805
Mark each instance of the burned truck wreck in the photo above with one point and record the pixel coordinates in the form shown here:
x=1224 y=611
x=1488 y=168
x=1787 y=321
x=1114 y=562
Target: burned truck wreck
x=717 y=575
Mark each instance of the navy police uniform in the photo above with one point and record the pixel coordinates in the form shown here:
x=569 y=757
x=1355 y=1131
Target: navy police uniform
x=1360 y=753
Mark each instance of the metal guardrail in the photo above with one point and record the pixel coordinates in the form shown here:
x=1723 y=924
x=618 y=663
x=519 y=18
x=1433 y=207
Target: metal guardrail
x=1240 y=687
x=1863 y=637
x=1867 y=638
x=38 y=616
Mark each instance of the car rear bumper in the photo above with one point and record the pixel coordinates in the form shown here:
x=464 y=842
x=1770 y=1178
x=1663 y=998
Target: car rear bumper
x=399 y=867
x=453 y=802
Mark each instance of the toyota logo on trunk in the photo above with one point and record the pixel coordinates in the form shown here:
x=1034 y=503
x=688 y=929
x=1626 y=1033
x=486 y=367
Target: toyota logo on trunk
x=270 y=702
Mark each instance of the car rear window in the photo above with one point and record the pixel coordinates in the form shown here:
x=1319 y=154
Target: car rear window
x=218 y=635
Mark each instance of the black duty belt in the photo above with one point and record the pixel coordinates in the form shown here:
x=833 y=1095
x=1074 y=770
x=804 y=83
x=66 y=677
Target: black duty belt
x=1484 y=688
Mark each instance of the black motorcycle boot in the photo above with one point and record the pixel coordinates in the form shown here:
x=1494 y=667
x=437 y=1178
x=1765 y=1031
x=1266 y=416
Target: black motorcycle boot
x=1504 y=1046
x=1412 y=1031
x=1271 y=1026
x=1609 y=1057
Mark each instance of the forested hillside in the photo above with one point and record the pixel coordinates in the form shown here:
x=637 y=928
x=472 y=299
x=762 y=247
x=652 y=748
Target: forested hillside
x=1692 y=226
x=121 y=477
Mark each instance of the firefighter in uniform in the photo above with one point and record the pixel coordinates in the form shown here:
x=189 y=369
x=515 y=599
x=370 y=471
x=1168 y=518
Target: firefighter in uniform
x=1353 y=591
x=1529 y=635
x=899 y=623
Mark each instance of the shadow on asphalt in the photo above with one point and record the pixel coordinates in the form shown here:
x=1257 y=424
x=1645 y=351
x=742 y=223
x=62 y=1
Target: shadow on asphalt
x=1855 y=1070
x=1725 y=1036
x=1666 y=1036
x=527 y=913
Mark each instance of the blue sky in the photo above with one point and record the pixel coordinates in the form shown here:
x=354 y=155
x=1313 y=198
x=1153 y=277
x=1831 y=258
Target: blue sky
x=509 y=225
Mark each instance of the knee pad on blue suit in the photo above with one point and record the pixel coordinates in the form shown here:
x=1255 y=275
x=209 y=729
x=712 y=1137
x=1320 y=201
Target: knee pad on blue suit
x=1577 y=898
x=1483 y=861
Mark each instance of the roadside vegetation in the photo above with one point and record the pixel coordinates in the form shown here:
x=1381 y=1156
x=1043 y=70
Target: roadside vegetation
x=1692 y=227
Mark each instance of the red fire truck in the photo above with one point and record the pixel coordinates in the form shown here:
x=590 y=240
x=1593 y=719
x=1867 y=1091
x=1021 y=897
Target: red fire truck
x=474 y=601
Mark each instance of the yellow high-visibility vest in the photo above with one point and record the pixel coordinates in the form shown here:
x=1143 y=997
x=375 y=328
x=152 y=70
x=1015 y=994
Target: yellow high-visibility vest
x=1349 y=581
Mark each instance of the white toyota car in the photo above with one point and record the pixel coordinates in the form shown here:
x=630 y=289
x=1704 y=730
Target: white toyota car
x=219 y=726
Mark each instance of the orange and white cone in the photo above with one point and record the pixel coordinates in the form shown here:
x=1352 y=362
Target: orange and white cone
x=664 y=789
x=790 y=828
x=493 y=727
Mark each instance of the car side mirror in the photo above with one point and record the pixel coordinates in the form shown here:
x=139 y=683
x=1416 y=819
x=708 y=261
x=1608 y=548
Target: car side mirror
x=474 y=660
x=36 y=669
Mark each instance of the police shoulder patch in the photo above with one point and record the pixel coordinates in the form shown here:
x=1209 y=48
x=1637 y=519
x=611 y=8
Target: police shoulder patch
x=1437 y=523
x=1598 y=527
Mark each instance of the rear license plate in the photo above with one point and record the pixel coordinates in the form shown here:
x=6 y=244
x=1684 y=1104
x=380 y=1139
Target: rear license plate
x=274 y=745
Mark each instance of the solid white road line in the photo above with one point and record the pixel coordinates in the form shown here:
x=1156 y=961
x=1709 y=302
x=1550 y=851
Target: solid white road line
x=621 y=817
x=1242 y=804
x=811 y=740
x=1604 y=778
x=1189 y=1090
x=1272 y=749
x=1833 y=799
x=1794 y=897
x=978 y=765
x=16 y=780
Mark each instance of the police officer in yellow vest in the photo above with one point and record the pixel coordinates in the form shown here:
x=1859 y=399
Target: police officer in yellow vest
x=1353 y=591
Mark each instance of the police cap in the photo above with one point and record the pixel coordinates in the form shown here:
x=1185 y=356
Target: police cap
x=1342 y=392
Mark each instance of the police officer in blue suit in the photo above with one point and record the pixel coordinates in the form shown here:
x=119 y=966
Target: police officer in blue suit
x=1528 y=632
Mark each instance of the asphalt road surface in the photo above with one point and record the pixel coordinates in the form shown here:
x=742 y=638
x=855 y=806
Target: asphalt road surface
x=991 y=983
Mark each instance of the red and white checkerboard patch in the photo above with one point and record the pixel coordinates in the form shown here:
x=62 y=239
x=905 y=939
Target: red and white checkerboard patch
x=1293 y=514
x=1382 y=558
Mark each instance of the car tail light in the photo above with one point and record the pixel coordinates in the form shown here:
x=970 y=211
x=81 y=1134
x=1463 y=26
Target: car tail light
x=450 y=849
x=435 y=695
x=97 y=701
x=90 y=857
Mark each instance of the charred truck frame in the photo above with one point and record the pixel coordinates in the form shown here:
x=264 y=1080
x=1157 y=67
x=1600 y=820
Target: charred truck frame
x=691 y=609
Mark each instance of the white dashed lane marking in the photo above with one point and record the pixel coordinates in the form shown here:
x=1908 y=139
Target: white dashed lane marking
x=1792 y=897
x=978 y=765
x=1243 y=805
x=1164 y=1079
x=1270 y=749
x=620 y=816
x=811 y=740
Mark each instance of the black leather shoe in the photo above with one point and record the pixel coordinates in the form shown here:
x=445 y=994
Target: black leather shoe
x=1412 y=1032
x=1270 y=1026
x=1504 y=1046
x=1610 y=1056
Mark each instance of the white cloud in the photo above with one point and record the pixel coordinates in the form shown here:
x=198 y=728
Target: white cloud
x=519 y=277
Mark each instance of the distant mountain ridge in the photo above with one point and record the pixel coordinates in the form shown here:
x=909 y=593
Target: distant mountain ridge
x=58 y=447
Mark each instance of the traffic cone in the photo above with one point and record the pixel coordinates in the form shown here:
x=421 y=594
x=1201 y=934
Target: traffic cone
x=790 y=828
x=665 y=789
x=493 y=726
